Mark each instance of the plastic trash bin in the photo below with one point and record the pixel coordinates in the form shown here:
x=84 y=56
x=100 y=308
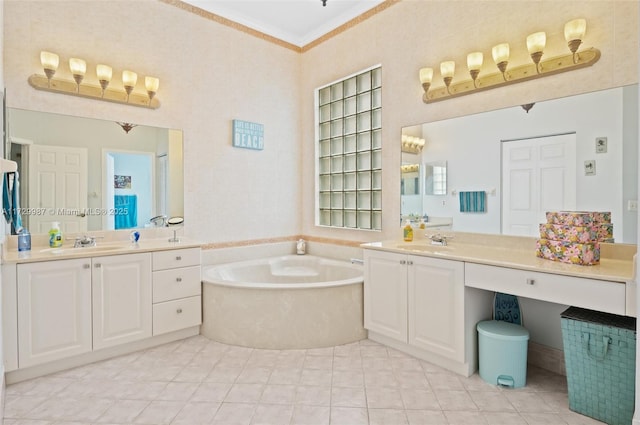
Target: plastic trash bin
x=502 y=352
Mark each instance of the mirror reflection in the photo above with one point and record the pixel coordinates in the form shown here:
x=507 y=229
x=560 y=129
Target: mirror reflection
x=435 y=178
x=574 y=153
x=92 y=175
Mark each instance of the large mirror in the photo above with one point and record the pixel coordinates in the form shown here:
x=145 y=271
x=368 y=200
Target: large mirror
x=92 y=175
x=574 y=153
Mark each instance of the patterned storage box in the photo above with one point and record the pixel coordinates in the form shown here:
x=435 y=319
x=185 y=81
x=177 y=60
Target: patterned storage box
x=585 y=254
x=578 y=218
x=600 y=356
x=565 y=232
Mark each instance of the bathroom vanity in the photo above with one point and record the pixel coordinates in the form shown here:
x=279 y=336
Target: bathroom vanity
x=66 y=307
x=426 y=300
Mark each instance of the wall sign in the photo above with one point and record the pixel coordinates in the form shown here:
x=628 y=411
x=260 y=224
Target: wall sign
x=248 y=135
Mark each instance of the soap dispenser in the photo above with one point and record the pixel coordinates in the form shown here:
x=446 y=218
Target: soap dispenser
x=55 y=235
x=407 y=231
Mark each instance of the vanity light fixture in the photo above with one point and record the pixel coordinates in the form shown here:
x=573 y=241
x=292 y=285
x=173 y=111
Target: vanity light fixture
x=412 y=144
x=79 y=86
x=536 y=43
x=409 y=168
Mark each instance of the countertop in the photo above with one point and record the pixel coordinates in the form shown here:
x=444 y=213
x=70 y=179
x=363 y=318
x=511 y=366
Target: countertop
x=616 y=260
x=43 y=253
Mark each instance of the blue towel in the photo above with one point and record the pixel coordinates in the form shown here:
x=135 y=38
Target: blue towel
x=11 y=201
x=473 y=202
x=126 y=211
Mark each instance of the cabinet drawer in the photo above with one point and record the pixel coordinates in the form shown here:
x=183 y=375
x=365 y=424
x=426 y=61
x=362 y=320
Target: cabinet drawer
x=176 y=283
x=599 y=295
x=163 y=260
x=177 y=314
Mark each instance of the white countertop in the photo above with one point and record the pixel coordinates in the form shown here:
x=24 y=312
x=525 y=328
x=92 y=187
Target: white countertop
x=616 y=260
x=43 y=253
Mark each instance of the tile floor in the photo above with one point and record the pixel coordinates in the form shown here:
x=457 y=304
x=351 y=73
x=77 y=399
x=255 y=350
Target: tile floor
x=198 y=381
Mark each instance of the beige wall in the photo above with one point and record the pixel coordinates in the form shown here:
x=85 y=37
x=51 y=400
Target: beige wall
x=211 y=74
x=413 y=34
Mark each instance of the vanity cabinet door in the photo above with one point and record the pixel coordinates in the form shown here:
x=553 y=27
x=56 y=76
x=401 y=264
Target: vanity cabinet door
x=385 y=294
x=121 y=299
x=54 y=310
x=436 y=306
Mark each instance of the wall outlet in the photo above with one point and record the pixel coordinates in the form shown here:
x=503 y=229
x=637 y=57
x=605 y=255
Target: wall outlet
x=632 y=206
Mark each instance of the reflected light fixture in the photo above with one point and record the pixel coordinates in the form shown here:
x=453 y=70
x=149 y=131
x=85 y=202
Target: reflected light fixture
x=412 y=144
x=85 y=85
x=574 y=32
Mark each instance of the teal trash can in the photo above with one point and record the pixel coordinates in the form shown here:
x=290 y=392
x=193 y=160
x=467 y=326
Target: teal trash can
x=502 y=352
x=600 y=357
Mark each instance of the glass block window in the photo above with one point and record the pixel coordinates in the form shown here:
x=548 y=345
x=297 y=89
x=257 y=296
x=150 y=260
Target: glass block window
x=349 y=152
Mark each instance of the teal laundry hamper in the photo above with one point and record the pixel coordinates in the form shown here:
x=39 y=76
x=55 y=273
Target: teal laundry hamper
x=600 y=357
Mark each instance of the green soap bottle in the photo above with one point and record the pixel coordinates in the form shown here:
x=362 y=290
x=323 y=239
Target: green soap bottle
x=55 y=235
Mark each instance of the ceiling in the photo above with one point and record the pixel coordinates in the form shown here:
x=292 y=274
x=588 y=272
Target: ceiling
x=298 y=22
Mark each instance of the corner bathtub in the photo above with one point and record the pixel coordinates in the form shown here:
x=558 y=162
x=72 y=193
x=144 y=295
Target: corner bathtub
x=288 y=302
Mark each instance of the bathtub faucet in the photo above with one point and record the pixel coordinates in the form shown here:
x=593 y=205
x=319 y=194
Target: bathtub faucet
x=301 y=247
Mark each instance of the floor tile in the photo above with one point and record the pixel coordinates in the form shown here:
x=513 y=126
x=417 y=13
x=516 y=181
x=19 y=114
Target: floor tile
x=349 y=415
x=310 y=415
x=159 y=412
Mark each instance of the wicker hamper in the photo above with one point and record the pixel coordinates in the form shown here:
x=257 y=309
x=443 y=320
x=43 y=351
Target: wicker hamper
x=600 y=356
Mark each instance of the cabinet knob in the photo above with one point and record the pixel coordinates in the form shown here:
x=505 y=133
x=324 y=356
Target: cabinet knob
x=86 y=266
x=403 y=262
x=178 y=258
x=97 y=265
x=410 y=263
x=178 y=279
x=179 y=310
x=530 y=281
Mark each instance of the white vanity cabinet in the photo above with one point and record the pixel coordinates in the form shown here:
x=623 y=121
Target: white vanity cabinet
x=418 y=302
x=121 y=296
x=177 y=288
x=54 y=310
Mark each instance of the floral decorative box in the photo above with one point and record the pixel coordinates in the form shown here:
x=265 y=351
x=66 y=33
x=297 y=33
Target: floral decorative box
x=578 y=218
x=591 y=233
x=586 y=254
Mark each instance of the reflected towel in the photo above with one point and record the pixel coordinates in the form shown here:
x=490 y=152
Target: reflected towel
x=472 y=201
x=11 y=201
x=126 y=211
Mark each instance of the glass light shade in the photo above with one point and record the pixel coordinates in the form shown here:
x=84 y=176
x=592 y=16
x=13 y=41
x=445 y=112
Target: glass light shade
x=49 y=60
x=129 y=78
x=474 y=61
x=574 y=30
x=151 y=83
x=536 y=42
x=77 y=66
x=500 y=53
x=447 y=69
x=426 y=75
x=104 y=72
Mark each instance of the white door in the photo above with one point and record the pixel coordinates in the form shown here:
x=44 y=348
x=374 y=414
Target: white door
x=436 y=306
x=121 y=299
x=58 y=184
x=538 y=175
x=54 y=310
x=385 y=294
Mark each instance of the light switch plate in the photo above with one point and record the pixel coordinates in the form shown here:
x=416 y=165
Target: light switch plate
x=601 y=145
x=590 y=167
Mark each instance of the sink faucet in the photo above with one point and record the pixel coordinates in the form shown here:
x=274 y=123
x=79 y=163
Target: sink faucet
x=84 y=241
x=438 y=239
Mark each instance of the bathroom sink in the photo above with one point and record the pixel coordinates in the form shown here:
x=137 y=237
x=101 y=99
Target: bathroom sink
x=427 y=247
x=78 y=250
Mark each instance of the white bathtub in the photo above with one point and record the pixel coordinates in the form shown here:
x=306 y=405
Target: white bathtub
x=283 y=302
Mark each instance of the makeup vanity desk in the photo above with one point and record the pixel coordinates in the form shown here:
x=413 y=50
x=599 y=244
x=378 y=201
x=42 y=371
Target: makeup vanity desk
x=426 y=299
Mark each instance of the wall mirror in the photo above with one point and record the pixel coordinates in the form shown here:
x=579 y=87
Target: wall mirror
x=604 y=176
x=92 y=175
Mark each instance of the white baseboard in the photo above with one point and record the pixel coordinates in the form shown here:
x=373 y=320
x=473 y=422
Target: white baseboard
x=547 y=358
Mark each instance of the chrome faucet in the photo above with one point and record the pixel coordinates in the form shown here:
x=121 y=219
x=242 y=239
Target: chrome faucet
x=84 y=241
x=159 y=221
x=438 y=239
